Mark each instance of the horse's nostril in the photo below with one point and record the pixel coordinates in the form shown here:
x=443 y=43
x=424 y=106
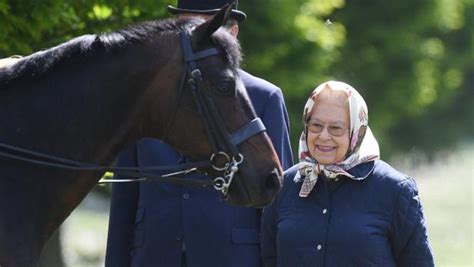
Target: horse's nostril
x=273 y=180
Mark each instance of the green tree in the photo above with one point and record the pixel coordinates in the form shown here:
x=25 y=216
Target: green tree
x=413 y=62
x=31 y=25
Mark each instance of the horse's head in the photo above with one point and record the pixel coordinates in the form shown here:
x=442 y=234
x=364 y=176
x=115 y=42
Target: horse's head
x=211 y=114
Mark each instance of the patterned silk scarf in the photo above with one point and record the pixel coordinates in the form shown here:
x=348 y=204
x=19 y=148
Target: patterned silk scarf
x=363 y=146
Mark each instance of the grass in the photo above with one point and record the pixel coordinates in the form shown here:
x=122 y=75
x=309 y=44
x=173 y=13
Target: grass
x=446 y=190
x=84 y=233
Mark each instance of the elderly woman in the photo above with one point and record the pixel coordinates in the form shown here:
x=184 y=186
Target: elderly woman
x=342 y=205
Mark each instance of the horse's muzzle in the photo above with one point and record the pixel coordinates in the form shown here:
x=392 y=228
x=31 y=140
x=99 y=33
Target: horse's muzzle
x=273 y=184
x=268 y=189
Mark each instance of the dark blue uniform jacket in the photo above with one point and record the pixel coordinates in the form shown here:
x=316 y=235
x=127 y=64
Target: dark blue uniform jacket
x=152 y=223
x=373 y=222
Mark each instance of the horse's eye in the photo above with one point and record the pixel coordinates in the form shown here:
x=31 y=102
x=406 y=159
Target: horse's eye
x=226 y=88
x=223 y=89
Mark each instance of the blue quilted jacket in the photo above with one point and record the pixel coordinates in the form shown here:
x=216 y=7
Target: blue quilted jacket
x=373 y=222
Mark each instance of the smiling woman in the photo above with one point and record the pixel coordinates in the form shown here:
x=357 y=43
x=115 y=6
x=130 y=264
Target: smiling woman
x=341 y=205
x=328 y=124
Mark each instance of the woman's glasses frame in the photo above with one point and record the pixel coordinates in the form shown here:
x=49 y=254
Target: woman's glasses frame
x=333 y=129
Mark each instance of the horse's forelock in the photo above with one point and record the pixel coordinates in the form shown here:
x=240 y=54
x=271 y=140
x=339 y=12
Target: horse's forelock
x=230 y=45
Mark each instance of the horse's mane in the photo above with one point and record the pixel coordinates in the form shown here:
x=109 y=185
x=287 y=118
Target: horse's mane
x=40 y=62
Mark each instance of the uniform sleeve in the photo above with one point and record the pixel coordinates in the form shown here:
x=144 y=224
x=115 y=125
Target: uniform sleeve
x=268 y=235
x=122 y=214
x=275 y=118
x=410 y=243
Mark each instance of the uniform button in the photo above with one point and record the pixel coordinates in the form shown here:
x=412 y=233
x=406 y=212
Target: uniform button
x=336 y=179
x=319 y=247
x=178 y=237
x=325 y=211
x=186 y=196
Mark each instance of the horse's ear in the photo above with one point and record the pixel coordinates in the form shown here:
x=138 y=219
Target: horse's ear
x=209 y=27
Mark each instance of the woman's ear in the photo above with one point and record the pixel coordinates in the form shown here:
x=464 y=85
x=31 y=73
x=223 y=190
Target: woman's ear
x=234 y=30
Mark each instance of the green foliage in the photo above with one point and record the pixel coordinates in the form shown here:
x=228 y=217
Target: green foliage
x=411 y=60
x=408 y=62
x=31 y=25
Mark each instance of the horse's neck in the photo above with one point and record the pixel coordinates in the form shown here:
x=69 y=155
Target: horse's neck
x=89 y=106
x=88 y=113
x=113 y=113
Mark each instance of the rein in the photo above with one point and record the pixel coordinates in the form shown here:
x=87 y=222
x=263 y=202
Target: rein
x=222 y=141
x=136 y=172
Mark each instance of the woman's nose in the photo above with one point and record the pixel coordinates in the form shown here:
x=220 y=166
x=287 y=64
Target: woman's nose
x=324 y=134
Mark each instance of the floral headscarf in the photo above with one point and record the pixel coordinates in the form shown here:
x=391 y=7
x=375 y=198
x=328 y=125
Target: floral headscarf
x=363 y=146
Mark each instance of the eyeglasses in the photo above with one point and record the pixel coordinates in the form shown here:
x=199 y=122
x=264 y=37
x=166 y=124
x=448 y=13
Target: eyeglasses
x=317 y=127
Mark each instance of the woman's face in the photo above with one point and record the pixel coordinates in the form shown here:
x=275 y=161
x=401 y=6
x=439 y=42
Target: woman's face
x=333 y=117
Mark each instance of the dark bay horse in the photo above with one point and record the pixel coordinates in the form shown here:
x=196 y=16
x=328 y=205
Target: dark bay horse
x=88 y=98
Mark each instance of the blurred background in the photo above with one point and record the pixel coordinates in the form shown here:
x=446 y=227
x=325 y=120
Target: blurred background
x=413 y=61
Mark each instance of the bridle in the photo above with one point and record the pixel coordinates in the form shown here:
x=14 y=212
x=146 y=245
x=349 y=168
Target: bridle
x=223 y=142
